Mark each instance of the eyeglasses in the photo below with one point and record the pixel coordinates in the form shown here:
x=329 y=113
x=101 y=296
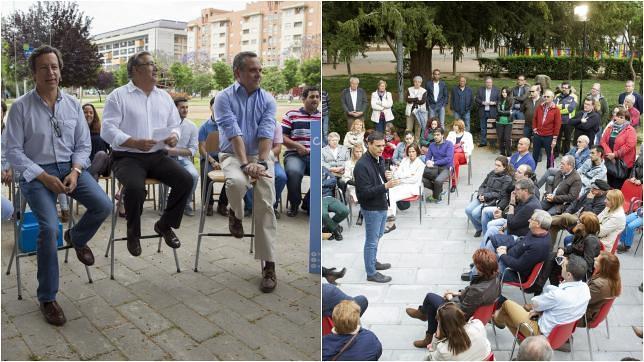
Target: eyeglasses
x=533 y=91
x=547 y=96
x=150 y=63
x=54 y=124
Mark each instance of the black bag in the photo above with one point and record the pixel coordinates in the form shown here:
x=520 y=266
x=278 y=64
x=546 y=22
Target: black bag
x=617 y=168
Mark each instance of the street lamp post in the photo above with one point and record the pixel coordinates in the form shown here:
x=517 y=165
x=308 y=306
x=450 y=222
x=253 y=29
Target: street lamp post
x=581 y=13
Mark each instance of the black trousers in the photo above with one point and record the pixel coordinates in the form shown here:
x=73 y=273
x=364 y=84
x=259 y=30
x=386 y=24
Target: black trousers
x=433 y=179
x=131 y=169
x=564 y=140
x=504 y=135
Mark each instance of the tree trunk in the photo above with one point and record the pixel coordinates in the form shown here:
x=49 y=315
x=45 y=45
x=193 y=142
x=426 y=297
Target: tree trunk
x=349 y=66
x=421 y=61
x=453 y=62
x=99 y=95
x=400 y=54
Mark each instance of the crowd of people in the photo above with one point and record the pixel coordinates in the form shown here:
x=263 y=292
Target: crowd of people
x=520 y=217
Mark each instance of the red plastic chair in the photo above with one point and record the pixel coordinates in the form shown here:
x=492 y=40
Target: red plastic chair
x=490 y=357
x=420 y=197
x=615 y=243
x=559 y=335
x=484 y=314
x=532 y=278
x=327 y=325
x=631 y=194
x=600 y=317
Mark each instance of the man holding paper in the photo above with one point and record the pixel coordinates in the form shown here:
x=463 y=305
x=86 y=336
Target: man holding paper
x=139 y=121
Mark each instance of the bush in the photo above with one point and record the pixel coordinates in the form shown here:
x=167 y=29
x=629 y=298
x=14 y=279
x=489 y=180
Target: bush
x=618 y=68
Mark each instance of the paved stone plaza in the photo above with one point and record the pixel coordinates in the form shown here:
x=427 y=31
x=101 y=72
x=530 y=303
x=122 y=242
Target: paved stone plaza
x=151 y=312
x=431 y=257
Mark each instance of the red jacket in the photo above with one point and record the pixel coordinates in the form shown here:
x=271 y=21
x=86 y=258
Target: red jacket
x=625 y=144
x=552 y=124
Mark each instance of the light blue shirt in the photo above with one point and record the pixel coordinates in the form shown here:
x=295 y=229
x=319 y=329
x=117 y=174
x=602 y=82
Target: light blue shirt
x=188 y=138
x=561 y=305
x=239 y=114
x=31 y=140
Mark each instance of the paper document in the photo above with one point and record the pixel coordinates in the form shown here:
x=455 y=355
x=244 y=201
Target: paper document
x=159 y=135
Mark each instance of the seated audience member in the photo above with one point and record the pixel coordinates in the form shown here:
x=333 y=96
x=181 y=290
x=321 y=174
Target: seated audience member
x=612 y=219
x=99 y=155
x=331 y=275
x=593 y=200
x=567 y=185
x=629 y=101
x=332 y=296
x=581 y=153
x=557 y=305
x=619 y=142
x=463 y=147
x=280 y=173
x=523 y=155
x=331 y=204
x=593 y=169
x=535 y=348
x=604 y=284
x=634 y=219
x=438 y=160
x=401 y=148
x=210 y=161
x=391 y=141
x=348 y=341
x=334 y=155
x=522 y=204
x=584 y=244
x=587 y=122
x=458 y=339
x=484 y=288
x=410 y=174
x=186 y=148
x=355 y=135
x=491 y=191
x=427 y=137
x=347 y=176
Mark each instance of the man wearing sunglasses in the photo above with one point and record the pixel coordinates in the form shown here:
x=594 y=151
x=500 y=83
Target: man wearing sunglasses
x=48 y=144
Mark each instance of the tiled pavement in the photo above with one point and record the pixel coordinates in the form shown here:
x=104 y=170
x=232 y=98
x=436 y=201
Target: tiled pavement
x=430 y=258
x=151 y=312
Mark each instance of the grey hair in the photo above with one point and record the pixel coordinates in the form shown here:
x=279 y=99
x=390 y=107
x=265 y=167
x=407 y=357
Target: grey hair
x=568 y=160
x=333 y=134
x=535 y=348
x=576 y=266
x=526 y=184
x=630 y=98
x=543 y=218
x=134 y=61
x=240 y=60
x=354 y=78
x=584 y=138
x=488 y=77
x=418 y=77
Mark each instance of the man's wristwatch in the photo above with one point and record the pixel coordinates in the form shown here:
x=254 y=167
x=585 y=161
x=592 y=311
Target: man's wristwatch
x=77 y=170
x=263 y=163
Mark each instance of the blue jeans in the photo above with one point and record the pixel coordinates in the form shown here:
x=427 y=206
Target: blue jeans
x=43 y=204
x=374 y=224
x=332 y=296
x=325 y=129
x=7 y=209
x=280 y=183
x=473 y=212
x=296 y=167
x=483 y=125
x=632 y=222
x=380 y=126
x=192 y=170
x=542 y=142
x=465 y=117
x=487 y=214
x=493 y=227
x=519 y=115
x=437 y=112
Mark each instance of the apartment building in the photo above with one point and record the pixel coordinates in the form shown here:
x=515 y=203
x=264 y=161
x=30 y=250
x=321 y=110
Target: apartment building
x=275 y=30
x=166 y=39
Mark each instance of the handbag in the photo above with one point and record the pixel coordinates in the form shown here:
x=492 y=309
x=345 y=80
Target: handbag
x=617 y=168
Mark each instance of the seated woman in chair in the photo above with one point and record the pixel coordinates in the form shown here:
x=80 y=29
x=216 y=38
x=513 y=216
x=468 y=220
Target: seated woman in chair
x=605 y=283
x=410 y=174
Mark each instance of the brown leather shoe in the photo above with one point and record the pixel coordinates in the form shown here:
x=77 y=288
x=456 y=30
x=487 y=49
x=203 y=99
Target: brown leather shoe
x=416 y=313
x=638 y=331
x=168 y=235
x=64 y=216
x=222 y=209
x=235 y=225
x=269 y=281
x=423 y=343
x=83 y=253
x=53 y=313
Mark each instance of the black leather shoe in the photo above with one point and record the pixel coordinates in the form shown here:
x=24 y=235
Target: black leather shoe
x=83 y=253
x=134 y=245
x=235 y=225
x=332 y=275
x=388 y=229
x=359 y=220
x=291 y=212
x=337 y=235
x=168 y=235
x=222 y=210
x=339 y=228
x=382 y=266
x=53 y=313
x=478 y=233
x=379 y=278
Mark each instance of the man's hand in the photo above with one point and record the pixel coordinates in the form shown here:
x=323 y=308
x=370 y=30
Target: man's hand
x=302 y=150
x=554 y=142
x=70 y=181
x=52 y=183
x=213 y=163
x=560 y=252
x=389 y=175
x=635 y=181
x=513 y=198
x=590 y=195
x=498 y=213
x=7 y=176
x=501 y=250
x=171 y=140
x=144 y=145
x=392 y=183
x=610 y=156
x=550 y=197
x=255 y=170
x=429 y=163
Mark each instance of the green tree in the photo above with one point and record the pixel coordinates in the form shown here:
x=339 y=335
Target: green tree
x=310 y=71
x=202 y=83
x=182 y=75
x=223 y=75
x=273 y=80
x=341 y=46
x=120 y=76
x=290 y=72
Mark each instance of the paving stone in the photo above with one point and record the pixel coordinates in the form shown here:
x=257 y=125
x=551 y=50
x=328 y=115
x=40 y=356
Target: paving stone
x=134 y=344
x=44 y=340
x=289 y=332
x=8 y=329
x=382 y=313
x=15 y=349
x=144 y=317
x=298 y=312
x=111 y=356
x=195 y=300
x=229 y=348
x=86 y=340
x=181 y=347
x=76 y=289
x=100 y=313
x=233 y=324
x=235 y=302
x=113 y=292
x=198 y=282
x=200 y=329
x=153 y=294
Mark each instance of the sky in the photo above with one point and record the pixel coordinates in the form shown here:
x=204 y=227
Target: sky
x=111 y=15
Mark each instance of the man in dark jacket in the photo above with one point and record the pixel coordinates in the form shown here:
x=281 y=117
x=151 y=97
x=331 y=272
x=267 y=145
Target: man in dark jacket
x=567 y=106
x=586 y=122
x=629 y=88
x=354 y=102
x=519 y=93
x=604 y=112
x=527 y=108
x=372 y=183
x=567 y=187
x=436 y=97
x=461 y=101
x=486 y=99
x=331 y=204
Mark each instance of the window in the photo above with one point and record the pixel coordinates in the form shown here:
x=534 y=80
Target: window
x=146 y=47
x=130 y=43
x=115 y=53
x=221 y=55
x=245 y=42
x=222 y=24
x=123 y=44
x=139 y=49
x=130 y=51
x=297 y=37
x=297 y=24
x=123 y=51
x=115 y=45
x=246 y=31
x=298 y=10
x=108 y=46
x=221 y=35
x=222 y=45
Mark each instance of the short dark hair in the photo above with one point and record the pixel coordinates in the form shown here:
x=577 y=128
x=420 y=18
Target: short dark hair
x=134 y=61
x=240 y=59
x=415 y=147
x=375 y=136
x=565 y=83
x=439 y=129
x=212 y=101
x=41 y=50
x=309 y=89
x=577 y=266
x=179 y=100
x=526 y=184
x=600 y=149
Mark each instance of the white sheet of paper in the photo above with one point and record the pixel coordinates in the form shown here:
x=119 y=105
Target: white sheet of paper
x=159 y=135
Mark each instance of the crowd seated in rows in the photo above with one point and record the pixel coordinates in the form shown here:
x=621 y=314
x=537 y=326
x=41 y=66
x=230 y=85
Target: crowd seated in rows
x=604 y=284
x=523 y=155
x=438 y=160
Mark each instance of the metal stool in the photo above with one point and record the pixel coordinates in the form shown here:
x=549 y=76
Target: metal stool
x=112 y=239
x=213 y=177
x=16 y=236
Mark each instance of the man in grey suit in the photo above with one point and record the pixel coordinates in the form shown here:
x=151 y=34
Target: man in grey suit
x=436 y=97
x=527 y=107
x=354 y=101
x=519 y=93
x=487 y=98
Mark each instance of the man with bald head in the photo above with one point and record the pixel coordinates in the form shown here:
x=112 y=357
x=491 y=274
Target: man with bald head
x=523 y=156
x=535 y=348
x=354 y=101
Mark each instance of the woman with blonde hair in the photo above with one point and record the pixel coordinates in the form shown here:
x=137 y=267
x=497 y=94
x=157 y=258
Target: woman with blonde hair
x=348 y=341
x=605 y=283
x=381 y=103
x=458 y=339
x=349 y=165
x=463 y=146
x=612 y=220
x=355 y=135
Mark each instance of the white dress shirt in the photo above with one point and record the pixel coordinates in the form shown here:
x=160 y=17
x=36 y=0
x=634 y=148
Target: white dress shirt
x=354 y=98
x=130 y=113
x=436 y=90
x=488 y=94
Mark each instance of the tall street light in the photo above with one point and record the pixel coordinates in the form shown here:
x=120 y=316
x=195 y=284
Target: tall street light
x=581 y=14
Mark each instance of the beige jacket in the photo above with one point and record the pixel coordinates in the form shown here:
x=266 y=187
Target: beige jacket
x=610 y=225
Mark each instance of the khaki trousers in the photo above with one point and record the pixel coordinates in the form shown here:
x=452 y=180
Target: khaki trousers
x=237 y=183
x=560 y=222
x=412 y=125
x=512 y=314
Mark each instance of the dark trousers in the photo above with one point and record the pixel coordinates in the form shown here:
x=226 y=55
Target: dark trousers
x=564 y=140
x=504 y=135
x=430 y=306
x=540 y=142
x=433 y=179
x=205 y=168
x=131 y=169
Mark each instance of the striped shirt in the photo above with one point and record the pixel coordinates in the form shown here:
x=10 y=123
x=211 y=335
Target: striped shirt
x=325 y=103
x=296 y=125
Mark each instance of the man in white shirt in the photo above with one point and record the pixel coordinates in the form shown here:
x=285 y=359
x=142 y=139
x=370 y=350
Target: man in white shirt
x=186 y=148
x=139 y=121
x=354 y=101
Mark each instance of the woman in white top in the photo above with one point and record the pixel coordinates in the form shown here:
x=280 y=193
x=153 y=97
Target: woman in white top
x=612 y=220
x=334 y=155
x=416 y=110
x=457 y=339
x=463 y=146
x=410 y=174
x=381 y=103
x=355 y=135
x=349 y=165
